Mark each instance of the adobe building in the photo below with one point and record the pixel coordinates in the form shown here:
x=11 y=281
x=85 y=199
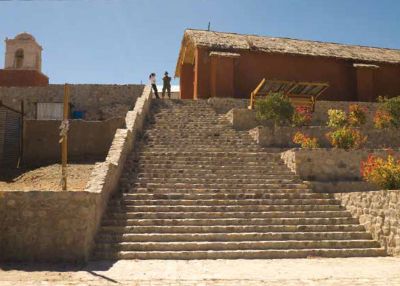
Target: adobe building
x=23 y=63
x=216 y=64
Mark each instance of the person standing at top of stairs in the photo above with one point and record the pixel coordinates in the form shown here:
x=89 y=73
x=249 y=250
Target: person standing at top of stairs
x=166 y=85
x=152 y=78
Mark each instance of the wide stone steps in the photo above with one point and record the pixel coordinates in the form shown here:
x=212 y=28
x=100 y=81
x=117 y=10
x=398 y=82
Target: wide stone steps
x=224 y=229
x=240 y=254
x=197 y=189
x=126 y=208
x=232 y=221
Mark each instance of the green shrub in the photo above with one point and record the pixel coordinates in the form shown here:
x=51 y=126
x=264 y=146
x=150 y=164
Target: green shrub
x=346 y=138
x=390 y=107
x=275 y=107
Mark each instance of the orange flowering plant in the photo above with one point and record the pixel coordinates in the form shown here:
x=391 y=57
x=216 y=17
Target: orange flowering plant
x=302 y=116
x=305 y=141
x=357 y=115
x=385 y=173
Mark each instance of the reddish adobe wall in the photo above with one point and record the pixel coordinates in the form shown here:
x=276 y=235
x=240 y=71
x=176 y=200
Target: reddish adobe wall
x=9 y=78
x=251 y=67
x=186 y=81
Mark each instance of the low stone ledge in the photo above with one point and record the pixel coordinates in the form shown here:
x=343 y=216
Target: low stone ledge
x=341 y=186
x=379 y=212
x=224 y=104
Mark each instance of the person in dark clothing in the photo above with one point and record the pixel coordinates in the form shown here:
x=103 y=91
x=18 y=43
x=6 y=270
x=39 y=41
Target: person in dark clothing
x=152 y=78
x=166 y=85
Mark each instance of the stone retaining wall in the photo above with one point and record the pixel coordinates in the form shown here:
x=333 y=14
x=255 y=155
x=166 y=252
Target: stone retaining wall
x=282 y=136
x=61 y=226
x=99 y=101
x=331 y=170
x=242 y=118
x=85 y=138
x=379 y=212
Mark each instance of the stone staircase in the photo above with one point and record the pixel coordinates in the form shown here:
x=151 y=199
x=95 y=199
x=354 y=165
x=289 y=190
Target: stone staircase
x=197 y=189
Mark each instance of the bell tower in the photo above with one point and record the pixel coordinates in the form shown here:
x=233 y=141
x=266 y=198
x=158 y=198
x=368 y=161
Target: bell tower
x=23 y=53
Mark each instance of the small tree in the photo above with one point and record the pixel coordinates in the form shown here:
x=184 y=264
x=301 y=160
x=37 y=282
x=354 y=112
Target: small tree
x=276 y=107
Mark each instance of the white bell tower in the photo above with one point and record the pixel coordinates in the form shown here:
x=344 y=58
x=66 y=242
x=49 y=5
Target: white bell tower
x=23 y=53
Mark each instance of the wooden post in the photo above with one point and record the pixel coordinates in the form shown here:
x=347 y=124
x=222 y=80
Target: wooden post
x=21 y=136
x=64 y=139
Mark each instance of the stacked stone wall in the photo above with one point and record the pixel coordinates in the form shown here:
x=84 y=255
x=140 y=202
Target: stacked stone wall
x=379 y=212
x=98 y=101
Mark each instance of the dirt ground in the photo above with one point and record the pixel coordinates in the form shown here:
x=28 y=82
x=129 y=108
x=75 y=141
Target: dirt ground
x=380 y=271
x=46 y=178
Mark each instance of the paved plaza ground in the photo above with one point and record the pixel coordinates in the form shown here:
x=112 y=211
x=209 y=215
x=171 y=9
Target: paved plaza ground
x=331 y=271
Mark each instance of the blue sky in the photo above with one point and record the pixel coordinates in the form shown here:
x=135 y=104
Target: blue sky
x=122 y=41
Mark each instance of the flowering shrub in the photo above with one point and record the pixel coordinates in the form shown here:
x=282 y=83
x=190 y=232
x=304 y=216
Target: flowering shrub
x=382 y=119
x=302 y=116
x=357 y=115
x=384 y=173
x=276 y=107
x=346 y=138
x=337 y=118
x=304 y=141
x=388 y=113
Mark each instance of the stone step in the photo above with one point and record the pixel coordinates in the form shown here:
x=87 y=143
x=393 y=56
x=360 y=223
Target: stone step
x=233 y=228
x=188 y=186
x=236 y=245
x=240 y=254
x=218 y=196
x=227 y=202
x=194 y=180
x=107 y=237
x=233 y=221
x=224 y=214
x=191 y=168
x=191 y=190
x=226 y=208
x=209 y=174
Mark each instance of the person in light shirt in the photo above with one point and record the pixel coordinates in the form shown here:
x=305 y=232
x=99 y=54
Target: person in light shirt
x=152 y=78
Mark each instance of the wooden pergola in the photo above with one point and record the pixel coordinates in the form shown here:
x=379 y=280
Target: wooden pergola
x=299 y=93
